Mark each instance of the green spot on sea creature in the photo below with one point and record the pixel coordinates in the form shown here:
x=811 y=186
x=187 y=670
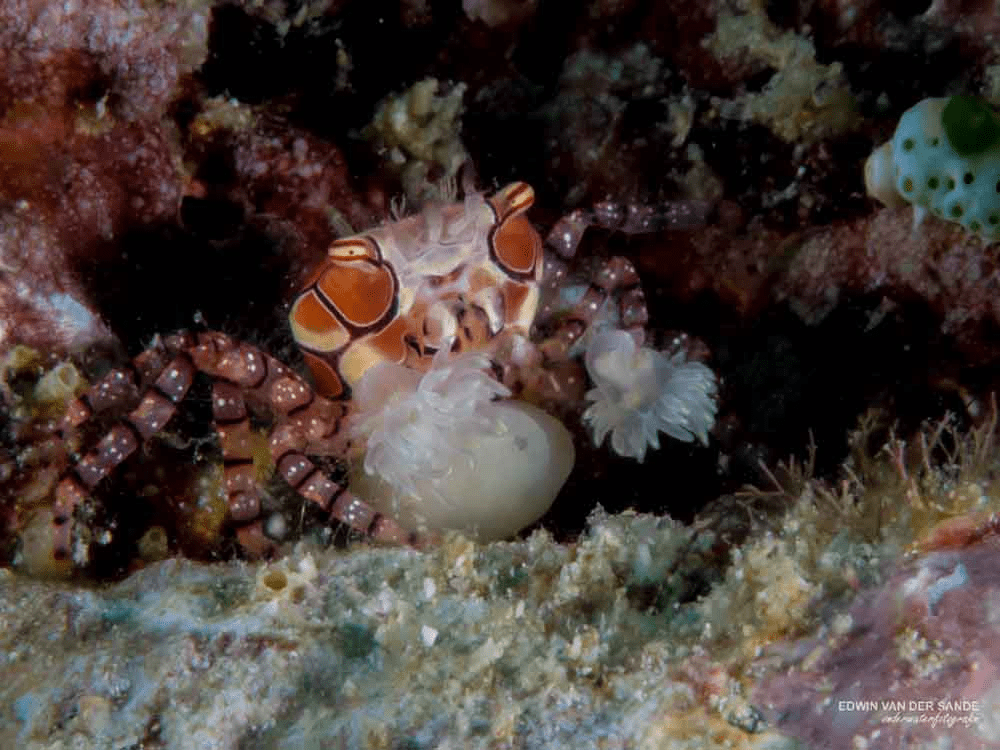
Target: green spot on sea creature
x=970 y=124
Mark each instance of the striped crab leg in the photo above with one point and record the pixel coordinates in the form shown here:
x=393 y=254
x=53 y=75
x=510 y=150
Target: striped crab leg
x=628 y=218
x=305 y=422
x=171 y=378
x=546 y=370
x=615 y=278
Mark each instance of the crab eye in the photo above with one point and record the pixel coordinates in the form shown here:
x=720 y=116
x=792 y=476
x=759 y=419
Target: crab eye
x=516 y=247
x=355 y=248
x=512 y=199
x=514 y=244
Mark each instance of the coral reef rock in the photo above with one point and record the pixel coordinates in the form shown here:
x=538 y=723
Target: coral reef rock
x=910 y=663
x=529 y=644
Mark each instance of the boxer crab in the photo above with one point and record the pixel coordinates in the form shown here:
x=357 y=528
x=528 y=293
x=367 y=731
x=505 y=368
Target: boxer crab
x=458 y=278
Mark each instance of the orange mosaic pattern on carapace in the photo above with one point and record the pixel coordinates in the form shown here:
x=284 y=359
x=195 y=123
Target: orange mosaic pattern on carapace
x=466 y=273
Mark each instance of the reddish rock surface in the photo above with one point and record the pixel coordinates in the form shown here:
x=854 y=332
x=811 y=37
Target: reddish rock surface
x=84 y=155
x=915 y=665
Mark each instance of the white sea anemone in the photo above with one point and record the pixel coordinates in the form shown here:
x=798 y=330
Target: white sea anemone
x=640 y=392
x=410 y=421
x=444 y=453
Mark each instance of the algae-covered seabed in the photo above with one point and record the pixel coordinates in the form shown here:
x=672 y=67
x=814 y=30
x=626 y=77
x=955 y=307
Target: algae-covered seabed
x=640 y=634
x=522 y=644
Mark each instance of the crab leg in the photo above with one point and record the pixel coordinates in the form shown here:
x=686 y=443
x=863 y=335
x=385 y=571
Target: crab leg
x=616 y=277
x=288 y=444
x=236 y=438
x=547 y=370
x=305 y=422
x=155 y=409
x=565 y=235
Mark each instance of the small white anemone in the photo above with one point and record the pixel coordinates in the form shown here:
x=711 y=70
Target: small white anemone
x=448 y=450
x=410 y=421
x=640 y=392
